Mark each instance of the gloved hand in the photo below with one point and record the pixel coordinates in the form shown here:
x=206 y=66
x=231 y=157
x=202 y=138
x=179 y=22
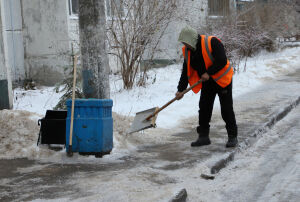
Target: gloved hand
x=205 y=77
x=179 y=95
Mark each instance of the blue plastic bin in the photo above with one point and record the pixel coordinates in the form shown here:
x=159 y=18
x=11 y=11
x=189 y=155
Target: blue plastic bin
x=93 y=126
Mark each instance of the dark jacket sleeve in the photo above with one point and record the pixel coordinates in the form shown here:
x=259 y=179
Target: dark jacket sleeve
x=183 y=82
x=219 y=55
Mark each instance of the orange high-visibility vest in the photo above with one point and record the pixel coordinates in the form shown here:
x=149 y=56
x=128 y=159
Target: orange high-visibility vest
x=222 y=78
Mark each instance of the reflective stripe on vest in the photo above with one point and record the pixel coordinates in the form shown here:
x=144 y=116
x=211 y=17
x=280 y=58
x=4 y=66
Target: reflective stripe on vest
x=227 y=70
x=207 y=50
x=222 y=77
x=192 y=74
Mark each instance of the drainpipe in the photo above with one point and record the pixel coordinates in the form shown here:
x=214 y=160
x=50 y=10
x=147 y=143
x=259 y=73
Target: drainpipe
x=6 y=94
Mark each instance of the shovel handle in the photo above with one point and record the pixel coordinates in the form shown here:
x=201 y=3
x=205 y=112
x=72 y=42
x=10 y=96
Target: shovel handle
x=171 y=101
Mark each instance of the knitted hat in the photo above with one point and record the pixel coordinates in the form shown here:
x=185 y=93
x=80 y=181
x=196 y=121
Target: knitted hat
x=188 y=35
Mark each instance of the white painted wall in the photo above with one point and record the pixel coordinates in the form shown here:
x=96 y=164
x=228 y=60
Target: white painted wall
x=46 y=39
x=190 y=12
x=74 y=32
x=3 y=67
x=6 y=95
x=13 y=38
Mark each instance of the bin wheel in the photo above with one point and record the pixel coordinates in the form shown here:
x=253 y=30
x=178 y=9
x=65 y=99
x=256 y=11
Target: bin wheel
x=83 y=154
x=99 y=155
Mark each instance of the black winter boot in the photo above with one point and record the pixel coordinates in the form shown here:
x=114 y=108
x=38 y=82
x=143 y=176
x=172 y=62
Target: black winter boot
x=203 y=138
x=232 y=142
x=232 y=137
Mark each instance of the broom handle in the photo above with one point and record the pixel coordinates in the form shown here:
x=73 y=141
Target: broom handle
x=73 y=100
x=171 y=101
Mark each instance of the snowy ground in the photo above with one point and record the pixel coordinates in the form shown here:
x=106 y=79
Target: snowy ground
x=268 y=171
x=161 y=88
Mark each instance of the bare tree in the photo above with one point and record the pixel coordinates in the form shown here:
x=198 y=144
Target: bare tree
x=95 y=69
x=255 y=27
x=276 y=17
x=136 y=27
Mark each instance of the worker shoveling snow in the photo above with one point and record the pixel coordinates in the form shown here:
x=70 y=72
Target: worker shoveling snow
x=19 y=129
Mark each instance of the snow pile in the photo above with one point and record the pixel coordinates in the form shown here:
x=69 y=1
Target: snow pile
x=19 y=134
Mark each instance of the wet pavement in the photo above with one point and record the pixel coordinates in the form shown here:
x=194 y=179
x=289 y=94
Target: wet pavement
x=25 y=180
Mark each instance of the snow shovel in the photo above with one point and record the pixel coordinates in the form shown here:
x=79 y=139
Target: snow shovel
x=70 y=152
x=143 y=119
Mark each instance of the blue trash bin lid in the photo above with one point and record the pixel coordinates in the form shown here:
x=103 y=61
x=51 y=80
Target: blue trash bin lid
x=90 y=103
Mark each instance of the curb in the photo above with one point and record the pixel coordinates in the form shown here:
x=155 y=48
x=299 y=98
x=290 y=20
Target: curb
x=249 y=142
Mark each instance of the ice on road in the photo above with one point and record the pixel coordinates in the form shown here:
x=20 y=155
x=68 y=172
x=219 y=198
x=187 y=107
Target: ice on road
x=268 y=171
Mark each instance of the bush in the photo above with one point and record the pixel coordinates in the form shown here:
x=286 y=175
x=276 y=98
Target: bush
x=137 y=32
x=67 y=84
x=241 y=41
x=254 y=28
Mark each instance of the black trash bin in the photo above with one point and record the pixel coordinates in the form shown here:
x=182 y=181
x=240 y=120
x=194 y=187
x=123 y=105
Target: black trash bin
x=53 y=128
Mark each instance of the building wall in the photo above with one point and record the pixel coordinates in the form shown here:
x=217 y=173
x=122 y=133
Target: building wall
x=37 y=37
x=189 y=12
x=46 y=39
x=194 y=13
x=46 y=30
x=6 y=98
x=13 y=38
x=74 y=32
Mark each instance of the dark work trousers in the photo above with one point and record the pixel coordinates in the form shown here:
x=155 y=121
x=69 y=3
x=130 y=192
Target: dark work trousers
x=208 y=93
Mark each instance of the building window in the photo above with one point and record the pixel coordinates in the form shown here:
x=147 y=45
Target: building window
x=73 y=7
x=114 y=8
x=218 y=7
x=242 y=4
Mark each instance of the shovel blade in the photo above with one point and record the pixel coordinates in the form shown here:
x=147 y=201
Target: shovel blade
x=140 y=122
